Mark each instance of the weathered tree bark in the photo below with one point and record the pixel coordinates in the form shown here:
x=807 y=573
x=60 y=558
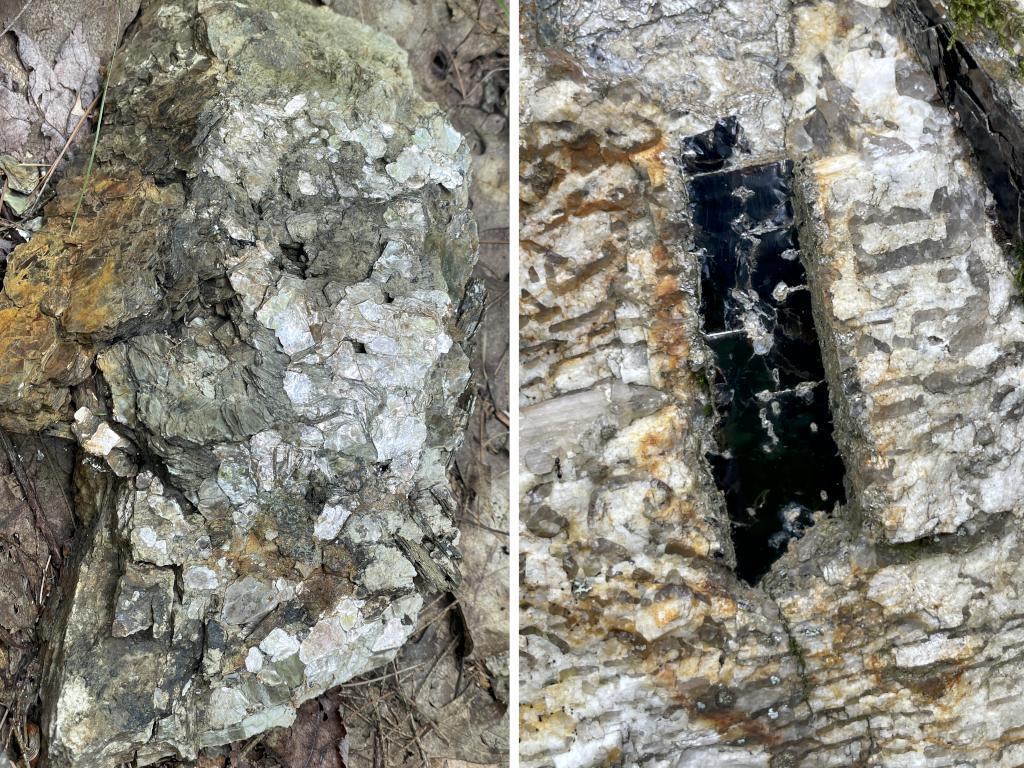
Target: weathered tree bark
x=254 y=331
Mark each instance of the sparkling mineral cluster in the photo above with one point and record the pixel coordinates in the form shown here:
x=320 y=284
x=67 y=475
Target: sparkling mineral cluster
x=254 y=330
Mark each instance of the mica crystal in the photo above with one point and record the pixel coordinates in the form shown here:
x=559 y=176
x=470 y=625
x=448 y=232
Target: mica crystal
x=778 y=465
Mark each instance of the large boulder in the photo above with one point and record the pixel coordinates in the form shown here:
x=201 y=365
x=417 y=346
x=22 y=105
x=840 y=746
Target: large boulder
x=888 y=632
x=253 y=328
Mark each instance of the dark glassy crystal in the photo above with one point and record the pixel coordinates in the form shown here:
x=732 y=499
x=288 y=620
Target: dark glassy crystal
x=778 y=462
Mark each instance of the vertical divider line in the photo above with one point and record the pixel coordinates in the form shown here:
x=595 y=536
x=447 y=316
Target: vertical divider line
x=513 y=321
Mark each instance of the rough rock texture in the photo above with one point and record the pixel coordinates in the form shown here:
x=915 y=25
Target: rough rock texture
x=458 y=54
x=451 y=676
x=923 y=329
x=980 y=76
x=626 y=592
x=254 y=333
x=873 y=641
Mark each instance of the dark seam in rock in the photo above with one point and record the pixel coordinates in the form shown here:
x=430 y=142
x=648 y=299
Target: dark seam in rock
x=768 y=377
x=949 y=61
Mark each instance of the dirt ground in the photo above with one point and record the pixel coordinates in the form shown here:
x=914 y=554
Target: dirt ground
x=444 y=701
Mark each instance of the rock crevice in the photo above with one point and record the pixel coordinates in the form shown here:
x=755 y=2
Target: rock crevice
x=888 y=634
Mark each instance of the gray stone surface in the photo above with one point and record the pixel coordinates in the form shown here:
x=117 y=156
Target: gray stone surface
x=919 y=315
x=875 y=640
x=980 y=76
x=254 y=332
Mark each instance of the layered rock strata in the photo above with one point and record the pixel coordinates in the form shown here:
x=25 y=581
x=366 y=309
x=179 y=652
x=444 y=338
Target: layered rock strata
x=925 y=330
x=889 y=634
x=980 y=76
x=628 y=597
x=253 y=330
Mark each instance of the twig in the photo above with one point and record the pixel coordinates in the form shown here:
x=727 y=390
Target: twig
x=92 y=154
x=60 y=155
x=478 y=524
x=358 y=683
x=42 y=581
x=410 y=706
x=14 y=21
x=433 y=666
x=252 y=743
x=453 y=604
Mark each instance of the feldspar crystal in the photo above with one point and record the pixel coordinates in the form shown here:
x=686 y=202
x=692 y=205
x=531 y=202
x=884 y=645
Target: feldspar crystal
x=923 y=325
x=889 y=634
x=254 y=332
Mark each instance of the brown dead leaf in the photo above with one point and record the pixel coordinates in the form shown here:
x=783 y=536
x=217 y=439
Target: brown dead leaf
x=317 y=739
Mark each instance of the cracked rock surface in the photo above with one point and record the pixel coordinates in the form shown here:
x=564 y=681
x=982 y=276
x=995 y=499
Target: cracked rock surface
x=919 y=312
x=889 y=634
x=254 y=332
x=977 y=72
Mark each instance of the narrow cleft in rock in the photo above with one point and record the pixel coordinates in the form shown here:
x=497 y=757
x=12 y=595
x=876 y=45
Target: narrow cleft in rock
x=778 y=464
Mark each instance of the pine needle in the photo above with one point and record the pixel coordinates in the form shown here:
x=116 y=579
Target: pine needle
x=92 y=155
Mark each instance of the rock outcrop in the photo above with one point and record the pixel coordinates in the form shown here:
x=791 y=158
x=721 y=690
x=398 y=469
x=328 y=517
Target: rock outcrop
x=920 y=318
x=978 y=72
x=253 y=330
x=888 y=634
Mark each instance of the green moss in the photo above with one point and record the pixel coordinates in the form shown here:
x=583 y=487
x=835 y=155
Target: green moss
x=704 y=385
x=997 y=16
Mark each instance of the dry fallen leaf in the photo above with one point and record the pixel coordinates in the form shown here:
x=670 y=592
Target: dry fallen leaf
x=316 y=739
x=20 y=177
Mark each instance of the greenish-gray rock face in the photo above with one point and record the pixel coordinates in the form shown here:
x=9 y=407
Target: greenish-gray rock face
x=254 y=332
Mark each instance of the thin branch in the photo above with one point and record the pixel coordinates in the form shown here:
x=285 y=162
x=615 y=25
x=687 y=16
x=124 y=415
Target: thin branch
x=67 y=145
x=14 y=21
